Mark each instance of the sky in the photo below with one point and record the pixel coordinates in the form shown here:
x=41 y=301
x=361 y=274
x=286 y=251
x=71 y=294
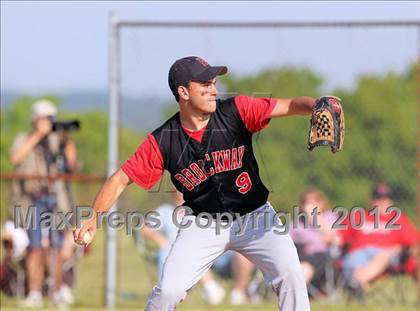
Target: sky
x=64 y=46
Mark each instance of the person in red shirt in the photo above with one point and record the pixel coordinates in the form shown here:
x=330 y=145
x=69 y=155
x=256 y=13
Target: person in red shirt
x=377 y=243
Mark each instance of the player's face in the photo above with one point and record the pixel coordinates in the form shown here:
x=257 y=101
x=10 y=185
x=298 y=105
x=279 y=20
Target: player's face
x=382 y=203
x=202 y=95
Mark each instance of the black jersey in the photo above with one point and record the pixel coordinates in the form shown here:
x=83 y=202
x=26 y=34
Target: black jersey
x=220 y=174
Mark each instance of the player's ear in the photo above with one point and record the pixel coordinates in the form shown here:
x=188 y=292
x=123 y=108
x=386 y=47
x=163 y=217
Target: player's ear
x=183 y=92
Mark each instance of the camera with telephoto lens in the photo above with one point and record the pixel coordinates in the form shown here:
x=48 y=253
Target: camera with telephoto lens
x=73 y=125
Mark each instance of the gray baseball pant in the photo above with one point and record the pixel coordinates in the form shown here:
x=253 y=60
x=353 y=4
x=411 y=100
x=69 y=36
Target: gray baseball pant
x=261 y=241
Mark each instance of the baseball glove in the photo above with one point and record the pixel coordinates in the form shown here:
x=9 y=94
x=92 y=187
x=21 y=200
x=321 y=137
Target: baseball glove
x=327 y=124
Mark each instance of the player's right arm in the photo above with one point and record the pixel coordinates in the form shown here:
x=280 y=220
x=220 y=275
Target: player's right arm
x=106 y=197
x=144 y=167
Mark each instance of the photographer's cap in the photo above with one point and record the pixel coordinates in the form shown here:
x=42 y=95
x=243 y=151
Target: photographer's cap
x=192 y=68
x=43 y=108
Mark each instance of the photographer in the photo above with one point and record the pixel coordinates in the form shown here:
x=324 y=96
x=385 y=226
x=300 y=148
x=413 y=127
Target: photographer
x=46 y=151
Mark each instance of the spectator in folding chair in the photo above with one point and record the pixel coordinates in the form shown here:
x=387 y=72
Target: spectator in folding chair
x=374 y=247
x=313 y=240
x=12 y=268
x=12 y=274
x=165 y=235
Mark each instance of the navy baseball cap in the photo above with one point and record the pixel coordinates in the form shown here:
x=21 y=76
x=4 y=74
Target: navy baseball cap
x=381 y=190
x=192 y=68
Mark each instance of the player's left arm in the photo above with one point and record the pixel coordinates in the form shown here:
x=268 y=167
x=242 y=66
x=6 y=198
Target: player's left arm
x=292 y=106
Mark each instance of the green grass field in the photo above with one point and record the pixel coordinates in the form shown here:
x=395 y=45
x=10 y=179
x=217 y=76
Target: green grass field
x=136 y=277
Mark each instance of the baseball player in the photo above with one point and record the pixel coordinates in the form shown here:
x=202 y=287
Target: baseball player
x=207 y=149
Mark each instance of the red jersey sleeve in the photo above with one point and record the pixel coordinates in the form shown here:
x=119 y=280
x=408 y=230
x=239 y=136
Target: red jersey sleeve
x=145 y=167
x=255 y=111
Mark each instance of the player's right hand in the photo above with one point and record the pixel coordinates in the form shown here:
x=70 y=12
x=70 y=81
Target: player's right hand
x=43 y=126
x=87 y=226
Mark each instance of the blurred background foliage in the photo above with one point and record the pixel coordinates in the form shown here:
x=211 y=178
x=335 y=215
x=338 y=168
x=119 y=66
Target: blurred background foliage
x=380 y=142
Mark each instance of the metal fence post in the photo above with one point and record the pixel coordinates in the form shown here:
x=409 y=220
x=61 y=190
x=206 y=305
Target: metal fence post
x=114 y=92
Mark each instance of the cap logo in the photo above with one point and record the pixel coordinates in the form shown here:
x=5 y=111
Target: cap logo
x=202 y=62
x=382 y=189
